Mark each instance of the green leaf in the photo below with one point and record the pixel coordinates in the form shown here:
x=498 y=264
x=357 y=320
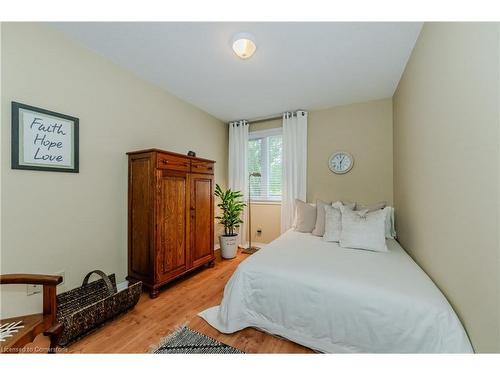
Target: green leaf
x=232 y=207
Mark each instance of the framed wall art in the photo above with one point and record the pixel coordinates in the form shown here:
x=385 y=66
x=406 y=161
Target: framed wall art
x=43 y=140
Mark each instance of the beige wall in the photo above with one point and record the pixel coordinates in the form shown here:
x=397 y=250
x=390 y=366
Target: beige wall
x=267 y=218
x=271 y=124
x=364 y=130
x=78 y=222
x=446 y=160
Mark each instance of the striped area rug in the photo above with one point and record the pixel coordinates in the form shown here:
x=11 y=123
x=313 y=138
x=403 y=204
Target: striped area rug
x=186 y=341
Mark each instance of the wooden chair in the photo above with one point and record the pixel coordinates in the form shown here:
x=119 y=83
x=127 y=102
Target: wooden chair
x=35 y=324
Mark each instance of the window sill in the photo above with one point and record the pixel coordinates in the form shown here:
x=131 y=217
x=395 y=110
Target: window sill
x=264 y=203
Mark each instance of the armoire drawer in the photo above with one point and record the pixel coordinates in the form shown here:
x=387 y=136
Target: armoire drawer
x=176 y=163
x=198 y=166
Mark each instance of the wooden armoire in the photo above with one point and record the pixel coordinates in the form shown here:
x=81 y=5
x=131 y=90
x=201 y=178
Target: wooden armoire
x=170 y=216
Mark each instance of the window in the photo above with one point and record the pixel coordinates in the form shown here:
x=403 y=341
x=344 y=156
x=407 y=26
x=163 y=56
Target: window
x=265 y=149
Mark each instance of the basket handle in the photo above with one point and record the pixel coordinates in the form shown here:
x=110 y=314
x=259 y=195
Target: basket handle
x=105 y=277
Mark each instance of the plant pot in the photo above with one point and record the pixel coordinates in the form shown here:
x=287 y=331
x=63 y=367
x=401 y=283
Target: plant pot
x=228 y=246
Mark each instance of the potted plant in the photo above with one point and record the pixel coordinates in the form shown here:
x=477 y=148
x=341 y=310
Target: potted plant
x=232 y=206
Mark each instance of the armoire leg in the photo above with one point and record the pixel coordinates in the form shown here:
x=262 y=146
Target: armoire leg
x=153 y=293
x=211 y=264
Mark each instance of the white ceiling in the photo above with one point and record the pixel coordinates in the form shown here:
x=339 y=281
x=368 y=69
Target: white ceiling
x=296 y=66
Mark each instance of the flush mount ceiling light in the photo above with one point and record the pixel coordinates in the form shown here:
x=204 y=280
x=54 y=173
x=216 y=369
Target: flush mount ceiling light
x=244 y=45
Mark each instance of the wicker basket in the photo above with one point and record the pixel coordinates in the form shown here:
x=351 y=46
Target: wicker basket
x=86 y=308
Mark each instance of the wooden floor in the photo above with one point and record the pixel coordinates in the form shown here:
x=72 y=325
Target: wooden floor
x=144 y=326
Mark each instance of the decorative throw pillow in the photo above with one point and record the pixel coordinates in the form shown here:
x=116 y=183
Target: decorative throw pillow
x=333 y=222
x=351 y=205
x=390 y=228
x=363 y=230
x=390 y=231
x=371 y=207
x=294 y=224
x=319 y=228
x=305 y=216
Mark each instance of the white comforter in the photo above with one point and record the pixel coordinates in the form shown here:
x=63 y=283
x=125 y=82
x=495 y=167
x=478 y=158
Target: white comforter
x=340 y=300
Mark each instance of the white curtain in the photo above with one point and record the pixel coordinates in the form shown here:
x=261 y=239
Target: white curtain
x=294 y=165
x=238 y=167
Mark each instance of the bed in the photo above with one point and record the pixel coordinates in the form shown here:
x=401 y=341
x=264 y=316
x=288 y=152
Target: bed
x=337 y=300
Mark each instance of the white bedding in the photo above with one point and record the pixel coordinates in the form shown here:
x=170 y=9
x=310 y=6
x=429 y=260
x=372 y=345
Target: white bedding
x=339 y=300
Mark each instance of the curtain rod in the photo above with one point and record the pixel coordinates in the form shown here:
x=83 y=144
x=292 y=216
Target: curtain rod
x=273 y=117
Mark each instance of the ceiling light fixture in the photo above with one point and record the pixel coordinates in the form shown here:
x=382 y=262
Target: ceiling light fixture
x=244 y=45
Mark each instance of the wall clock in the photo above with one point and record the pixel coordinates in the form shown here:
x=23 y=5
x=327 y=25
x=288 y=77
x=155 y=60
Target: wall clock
x=340 y=162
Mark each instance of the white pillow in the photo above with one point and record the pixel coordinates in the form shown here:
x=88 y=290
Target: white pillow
x=347 y=204
x=294 y=224
x=363 y=230
x=390 y=231
x=319 y=228
x=333 y=223
x=390 y=228
x=305 y=216
x=371 y=207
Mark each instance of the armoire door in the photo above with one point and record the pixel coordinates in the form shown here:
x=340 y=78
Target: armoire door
x=202 y=219
x=173 y=204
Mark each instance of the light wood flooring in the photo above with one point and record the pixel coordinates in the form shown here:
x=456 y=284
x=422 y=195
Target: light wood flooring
x=179 y=303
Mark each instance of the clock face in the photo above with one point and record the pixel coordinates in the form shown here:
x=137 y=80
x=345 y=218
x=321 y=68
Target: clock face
x=340 y=162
